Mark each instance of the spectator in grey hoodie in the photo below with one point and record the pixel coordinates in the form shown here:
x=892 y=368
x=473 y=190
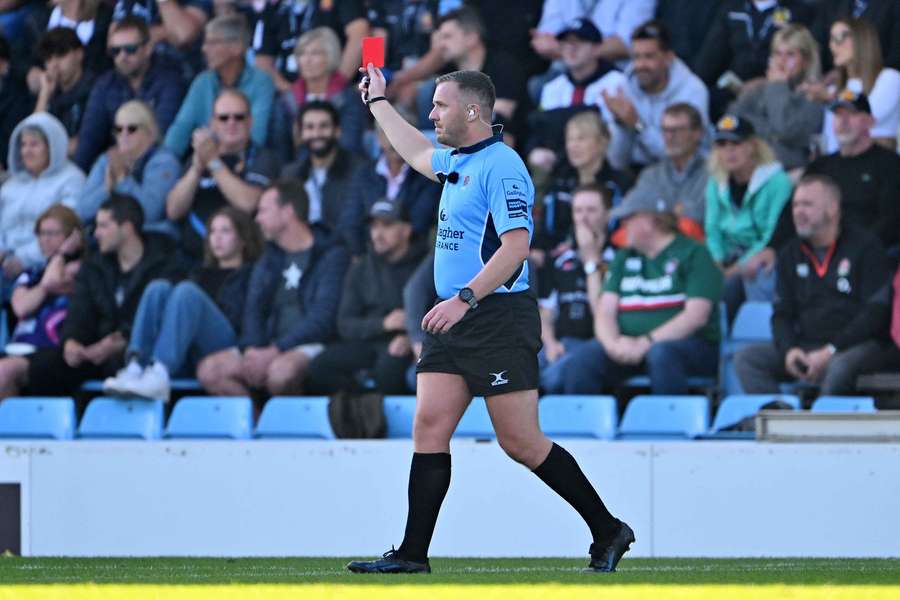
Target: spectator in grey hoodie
x=40 y=176
x=656 y=79
x=680 y=177
x=778 y=107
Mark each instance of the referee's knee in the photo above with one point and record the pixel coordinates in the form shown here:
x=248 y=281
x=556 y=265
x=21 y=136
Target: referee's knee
x=529 y=450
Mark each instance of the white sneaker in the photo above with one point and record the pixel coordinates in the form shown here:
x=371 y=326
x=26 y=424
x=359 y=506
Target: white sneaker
x=153 y=384
x=131 y=372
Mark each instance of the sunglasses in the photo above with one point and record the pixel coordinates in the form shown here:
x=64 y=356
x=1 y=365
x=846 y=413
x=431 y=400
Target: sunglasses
x=129 y=128
x=129 y=49
x=225 y=117
x=838 y=38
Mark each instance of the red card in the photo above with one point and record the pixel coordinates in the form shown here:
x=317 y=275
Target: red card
x=373 y=51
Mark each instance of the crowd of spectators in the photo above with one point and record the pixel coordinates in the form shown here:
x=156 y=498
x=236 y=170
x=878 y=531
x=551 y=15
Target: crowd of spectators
x=194 y=188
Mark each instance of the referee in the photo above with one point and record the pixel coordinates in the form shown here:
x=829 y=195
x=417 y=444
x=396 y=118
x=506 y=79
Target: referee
x=483 y=336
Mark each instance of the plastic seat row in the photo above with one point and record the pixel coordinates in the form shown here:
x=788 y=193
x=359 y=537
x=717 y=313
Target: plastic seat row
x=646 y=417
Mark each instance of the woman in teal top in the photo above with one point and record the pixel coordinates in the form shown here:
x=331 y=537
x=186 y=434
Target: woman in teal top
x=746 y=193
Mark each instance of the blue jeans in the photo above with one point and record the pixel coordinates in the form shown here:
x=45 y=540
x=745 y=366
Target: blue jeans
x=175 y=320
x=668 y=364
x=553 y=374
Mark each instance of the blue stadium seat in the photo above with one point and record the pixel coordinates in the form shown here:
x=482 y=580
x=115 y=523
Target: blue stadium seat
x=578 y=416
x=752 y=324
x=863 y=404
x=734 y=408
x=476 y=422
x=4 y=328
x=38 y=417
x=665 y=417
x=211 y=417
x=399 y=412
x=95 y=386
x=122 y=418
x=295 y=417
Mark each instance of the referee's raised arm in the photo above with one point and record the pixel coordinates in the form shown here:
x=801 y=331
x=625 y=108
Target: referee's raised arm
x=408 y=141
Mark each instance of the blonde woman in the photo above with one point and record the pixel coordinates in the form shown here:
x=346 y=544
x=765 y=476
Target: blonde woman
x=779 y=109
x=859 y=66
x=745 y=195
x=137 y=165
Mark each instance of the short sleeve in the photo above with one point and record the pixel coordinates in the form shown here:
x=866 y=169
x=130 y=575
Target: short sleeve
x=440 y=161
x=613 y=282
x=703 y=279
x=510 y=196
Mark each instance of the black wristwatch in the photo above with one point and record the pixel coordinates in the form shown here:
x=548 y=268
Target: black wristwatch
x=468 y=296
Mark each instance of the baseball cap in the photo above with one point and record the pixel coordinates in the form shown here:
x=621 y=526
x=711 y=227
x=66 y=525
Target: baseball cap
x=386 y=210
x=583 y=29
x=734 y=129
x=852 y=99
x=641 y=200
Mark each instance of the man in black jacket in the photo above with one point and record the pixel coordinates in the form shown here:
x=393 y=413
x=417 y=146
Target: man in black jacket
x=392 y=179
x=832 y=304
x=326 y=168
x=291 y=306
x=107 y=291
x=371 y=319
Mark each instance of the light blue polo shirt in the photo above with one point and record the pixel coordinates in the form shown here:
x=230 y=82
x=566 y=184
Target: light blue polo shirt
x=492 y=195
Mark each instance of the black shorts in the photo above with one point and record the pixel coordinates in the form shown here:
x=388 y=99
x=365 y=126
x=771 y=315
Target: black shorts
x=493 y=347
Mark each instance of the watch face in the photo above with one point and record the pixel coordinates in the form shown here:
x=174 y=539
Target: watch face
x=466 y=294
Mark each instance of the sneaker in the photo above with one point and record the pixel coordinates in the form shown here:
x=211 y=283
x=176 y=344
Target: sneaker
x=130 y=372
x=153 y=384
x=390 y=562
x=604 y=560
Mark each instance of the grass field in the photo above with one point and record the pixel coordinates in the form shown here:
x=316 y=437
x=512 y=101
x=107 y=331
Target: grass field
x=165 y=578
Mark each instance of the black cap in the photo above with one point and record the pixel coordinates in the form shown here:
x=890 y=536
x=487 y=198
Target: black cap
x=583 y=29
x=733 y=129
x=851 y=99
x=385 y=210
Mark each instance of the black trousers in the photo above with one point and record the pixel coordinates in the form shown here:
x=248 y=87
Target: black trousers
x=337 y=368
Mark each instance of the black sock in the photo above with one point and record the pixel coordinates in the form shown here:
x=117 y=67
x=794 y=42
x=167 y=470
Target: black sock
x=560 y=471
x=429 y=479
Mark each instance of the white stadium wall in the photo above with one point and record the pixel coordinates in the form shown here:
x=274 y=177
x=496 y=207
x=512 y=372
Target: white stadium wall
x=312 y=498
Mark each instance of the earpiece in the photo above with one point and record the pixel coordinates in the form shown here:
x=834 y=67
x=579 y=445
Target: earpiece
x=471 y=114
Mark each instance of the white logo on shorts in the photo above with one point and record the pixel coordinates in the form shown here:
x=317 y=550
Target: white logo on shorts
x=499 y=379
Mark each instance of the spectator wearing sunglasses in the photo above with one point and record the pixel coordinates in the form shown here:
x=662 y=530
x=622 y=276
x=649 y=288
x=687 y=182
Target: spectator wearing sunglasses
x=65 y=85
x=136 y=166
x=137 y=75
x=226 y=169
x=225 y=47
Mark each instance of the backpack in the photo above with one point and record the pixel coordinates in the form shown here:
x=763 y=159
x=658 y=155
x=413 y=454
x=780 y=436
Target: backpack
x=357 y=415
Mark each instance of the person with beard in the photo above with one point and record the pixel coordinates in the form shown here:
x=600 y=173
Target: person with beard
x=137 y=75
x=226 y=168
x=371 y=319
x=326 y=169
x=292 y=301
x=656 y=79
x=832 y=306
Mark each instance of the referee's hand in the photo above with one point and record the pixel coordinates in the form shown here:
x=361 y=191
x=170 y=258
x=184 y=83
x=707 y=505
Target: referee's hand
x=444 y=315
x=373 y=83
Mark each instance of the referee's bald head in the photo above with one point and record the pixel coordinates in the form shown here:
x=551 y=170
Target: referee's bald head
x=474 y=87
